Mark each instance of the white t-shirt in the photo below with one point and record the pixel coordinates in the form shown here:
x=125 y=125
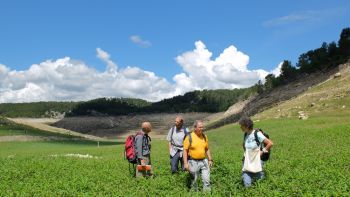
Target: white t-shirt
x=249 y=140
x=176 y=140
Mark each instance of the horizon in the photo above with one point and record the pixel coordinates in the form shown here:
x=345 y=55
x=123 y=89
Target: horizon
x=78 y=51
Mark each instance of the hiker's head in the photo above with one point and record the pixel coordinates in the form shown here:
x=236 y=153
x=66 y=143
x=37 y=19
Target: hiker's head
x=146 y=127
x=198 y=126
x=246 y=124
x=179 y=121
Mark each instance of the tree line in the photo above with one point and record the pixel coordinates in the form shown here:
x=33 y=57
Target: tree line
x=318 y=60
x=35 y=109
x=195 y=101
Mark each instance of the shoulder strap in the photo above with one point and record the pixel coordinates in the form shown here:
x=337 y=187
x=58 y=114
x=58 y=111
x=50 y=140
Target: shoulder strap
x=204 y=136
x=189 y=138
x=256 y=137
x=171 y=136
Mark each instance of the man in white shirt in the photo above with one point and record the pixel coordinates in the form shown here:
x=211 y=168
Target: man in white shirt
x=175 y=137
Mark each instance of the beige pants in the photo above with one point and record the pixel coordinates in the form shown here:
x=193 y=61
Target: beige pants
x=196 y=167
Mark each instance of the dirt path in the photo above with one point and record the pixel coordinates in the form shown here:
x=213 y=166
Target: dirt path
x=44 y=124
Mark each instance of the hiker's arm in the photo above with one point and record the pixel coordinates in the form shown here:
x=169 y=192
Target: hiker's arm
x=168 y=137
x=185 y=157
x=210 y=159
x=268 y=143
x=169 y=147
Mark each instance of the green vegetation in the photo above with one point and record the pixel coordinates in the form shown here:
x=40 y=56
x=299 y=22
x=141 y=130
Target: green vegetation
x=195 y=101
x=35 y=110
x=109 y=106
x=309 y=158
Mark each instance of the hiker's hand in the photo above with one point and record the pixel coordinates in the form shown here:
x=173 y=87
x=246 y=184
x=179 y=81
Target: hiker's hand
x=186 y=166
x=211 y=163
x=143 y=162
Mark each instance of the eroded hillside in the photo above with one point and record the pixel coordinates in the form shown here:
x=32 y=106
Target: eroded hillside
x=316 y=92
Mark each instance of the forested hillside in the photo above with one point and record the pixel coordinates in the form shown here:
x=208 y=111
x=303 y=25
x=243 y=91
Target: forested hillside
x=36 y=110
x=196 y=101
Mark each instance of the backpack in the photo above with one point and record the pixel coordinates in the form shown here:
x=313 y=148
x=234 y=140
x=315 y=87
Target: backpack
x=130 y=153
x=264 y=156
x=130 y=147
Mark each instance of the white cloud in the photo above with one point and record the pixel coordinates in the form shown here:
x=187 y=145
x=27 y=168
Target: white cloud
x=66 y=79
x=277 y=70
x=228 y=70
x=309 y=16
x=104 y=56
x=139 y=41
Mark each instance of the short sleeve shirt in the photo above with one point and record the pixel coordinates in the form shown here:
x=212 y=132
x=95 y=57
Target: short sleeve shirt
x=198 y=148
x=249 y=140
x=176 y=139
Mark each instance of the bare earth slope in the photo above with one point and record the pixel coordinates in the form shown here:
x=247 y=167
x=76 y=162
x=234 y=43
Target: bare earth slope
x=330 y=95
x=44 y=124
x=284 y=93
x=121 y=126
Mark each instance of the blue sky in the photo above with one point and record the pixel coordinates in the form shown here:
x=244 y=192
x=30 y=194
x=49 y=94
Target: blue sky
x=79 y=50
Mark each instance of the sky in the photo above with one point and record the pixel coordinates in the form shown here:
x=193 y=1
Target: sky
x=79 y=50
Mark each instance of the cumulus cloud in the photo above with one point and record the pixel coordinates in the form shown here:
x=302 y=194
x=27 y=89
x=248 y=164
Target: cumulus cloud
x=66 y=79
x=228 y=70
x=139 y=41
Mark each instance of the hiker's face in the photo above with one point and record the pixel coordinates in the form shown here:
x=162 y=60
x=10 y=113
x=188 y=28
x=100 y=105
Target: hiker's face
x=200 y=127
x=178 y=123
x=244 y=128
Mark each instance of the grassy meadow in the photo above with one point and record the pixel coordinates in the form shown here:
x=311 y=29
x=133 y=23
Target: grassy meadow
x=309 y=157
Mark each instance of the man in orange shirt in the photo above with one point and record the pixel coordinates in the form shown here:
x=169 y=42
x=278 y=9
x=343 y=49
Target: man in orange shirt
x=197 y=157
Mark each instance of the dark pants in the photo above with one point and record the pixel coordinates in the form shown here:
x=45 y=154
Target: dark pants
x=174 y=162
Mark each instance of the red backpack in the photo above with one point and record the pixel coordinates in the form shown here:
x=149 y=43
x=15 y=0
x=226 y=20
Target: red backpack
x=130 y=149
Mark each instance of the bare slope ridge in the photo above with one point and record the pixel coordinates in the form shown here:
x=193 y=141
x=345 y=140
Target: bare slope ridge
x=44 y=124
x=327 y=85
x=330 y=95
x=121 y=126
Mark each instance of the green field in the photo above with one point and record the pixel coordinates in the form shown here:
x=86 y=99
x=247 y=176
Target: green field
x=309 y=157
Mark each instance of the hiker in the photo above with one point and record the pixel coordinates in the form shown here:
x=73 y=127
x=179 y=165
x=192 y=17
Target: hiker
x=176 y=136
x=197 y=157
x=143 y=149
x=252 y=164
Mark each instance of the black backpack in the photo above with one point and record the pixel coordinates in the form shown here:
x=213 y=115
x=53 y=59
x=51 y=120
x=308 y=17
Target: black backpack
x=264 y=156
